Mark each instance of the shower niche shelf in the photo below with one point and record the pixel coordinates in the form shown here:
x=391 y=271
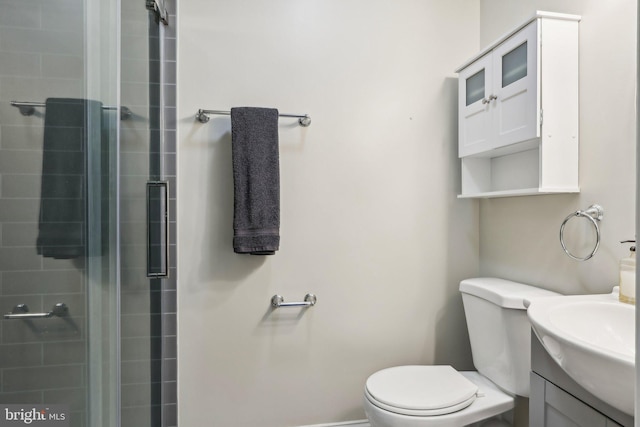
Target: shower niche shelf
x=518 y=112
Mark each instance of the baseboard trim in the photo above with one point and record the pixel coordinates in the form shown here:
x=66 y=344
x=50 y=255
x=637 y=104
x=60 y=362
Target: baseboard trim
x=358 y=423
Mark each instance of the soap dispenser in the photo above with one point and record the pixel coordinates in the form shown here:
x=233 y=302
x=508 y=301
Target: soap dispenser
x=628 y=276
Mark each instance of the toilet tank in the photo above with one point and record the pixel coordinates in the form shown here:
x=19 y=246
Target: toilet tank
x=499 y=330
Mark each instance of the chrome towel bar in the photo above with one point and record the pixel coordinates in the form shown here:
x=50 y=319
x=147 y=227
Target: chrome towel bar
x=278 y=301
x=60 y=310
x=27 y=108
x=203 y=116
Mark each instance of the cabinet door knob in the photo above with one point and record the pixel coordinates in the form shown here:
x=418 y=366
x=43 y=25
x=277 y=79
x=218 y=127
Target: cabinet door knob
x=485 y=101
x=492 y=97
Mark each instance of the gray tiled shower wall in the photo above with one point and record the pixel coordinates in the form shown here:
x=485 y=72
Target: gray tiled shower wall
x=169 y=397
x=45 y=361
x=149 y=391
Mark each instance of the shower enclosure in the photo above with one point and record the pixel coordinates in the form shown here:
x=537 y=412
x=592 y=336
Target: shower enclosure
x=84 y=201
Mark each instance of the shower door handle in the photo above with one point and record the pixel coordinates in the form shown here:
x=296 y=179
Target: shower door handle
x=157 y=229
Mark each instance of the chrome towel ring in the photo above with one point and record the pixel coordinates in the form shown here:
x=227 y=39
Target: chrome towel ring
x=594 y=214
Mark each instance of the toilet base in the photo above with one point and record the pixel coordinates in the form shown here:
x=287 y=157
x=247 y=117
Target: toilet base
x=493 y=402
x=497 y=421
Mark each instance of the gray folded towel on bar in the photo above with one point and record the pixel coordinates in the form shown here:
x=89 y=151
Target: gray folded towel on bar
x=62 y=225
x=256 y=180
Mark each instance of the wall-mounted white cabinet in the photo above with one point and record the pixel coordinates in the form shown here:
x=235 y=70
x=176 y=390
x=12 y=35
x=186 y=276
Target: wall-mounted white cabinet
x=518 y=112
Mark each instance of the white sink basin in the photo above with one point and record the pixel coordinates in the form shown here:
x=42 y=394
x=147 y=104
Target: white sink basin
x=592 y=338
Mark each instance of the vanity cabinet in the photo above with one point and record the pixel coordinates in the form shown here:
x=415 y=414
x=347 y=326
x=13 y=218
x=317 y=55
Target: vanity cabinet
x=556 y=400
x=559 y=408
x=518 y=111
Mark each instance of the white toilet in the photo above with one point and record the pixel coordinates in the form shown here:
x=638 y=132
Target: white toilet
x=440 y=396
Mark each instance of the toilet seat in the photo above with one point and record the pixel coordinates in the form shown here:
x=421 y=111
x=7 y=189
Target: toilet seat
x=491 y=402
x=422 y=391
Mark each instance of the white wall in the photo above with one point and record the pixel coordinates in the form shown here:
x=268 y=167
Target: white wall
x=370 y=219
x=519 y=236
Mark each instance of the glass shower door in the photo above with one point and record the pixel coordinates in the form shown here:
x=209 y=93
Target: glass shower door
x=58 y=211
x=79 y=313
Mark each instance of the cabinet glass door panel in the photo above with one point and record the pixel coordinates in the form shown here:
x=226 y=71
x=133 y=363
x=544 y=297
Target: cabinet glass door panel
x=516 y=115
x=474 y=125
x=514 y=65
x=475 y=87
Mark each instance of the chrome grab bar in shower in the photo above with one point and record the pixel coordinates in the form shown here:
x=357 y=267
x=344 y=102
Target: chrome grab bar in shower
x=278 y=301
x=59 y=310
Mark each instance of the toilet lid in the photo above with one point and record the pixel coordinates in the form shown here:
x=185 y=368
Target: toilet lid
x=421 y=390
